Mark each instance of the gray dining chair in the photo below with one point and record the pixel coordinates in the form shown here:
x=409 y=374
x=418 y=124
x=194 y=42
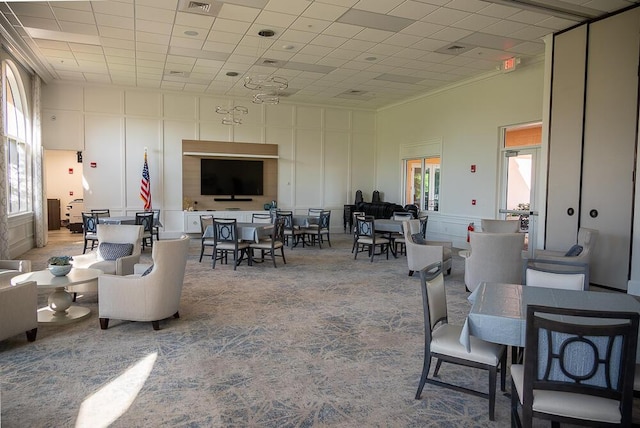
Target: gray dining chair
x=577 y=370
x=442 y=342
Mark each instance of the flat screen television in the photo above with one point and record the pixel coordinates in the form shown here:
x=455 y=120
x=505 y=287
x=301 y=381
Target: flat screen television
x=231 y=177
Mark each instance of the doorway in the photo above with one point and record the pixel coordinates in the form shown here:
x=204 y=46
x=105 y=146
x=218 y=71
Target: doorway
x=520 y=152
x=63 y=177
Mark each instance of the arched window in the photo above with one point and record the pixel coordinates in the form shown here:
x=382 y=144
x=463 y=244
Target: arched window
x=18 y=151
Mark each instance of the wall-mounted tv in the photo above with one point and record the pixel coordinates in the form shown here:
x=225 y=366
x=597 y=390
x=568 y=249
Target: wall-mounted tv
x=231 y=177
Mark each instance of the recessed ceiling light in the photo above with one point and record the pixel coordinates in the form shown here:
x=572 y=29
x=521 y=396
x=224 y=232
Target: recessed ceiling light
x=371 y=58
x=232 y=73
x=287 y=47
x=191 y=33
x=266 y=33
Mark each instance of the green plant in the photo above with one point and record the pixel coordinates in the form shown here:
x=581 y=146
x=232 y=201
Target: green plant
x=60 y=260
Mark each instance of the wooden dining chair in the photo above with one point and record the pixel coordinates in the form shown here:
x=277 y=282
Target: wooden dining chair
x=577 y=370
x=156 y=223
x=442 y=342
x=317 y=232
x=206 y=240
x=271 y=244
x=261 y=218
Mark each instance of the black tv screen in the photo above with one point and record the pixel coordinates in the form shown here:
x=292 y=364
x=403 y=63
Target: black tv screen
x=231 y=177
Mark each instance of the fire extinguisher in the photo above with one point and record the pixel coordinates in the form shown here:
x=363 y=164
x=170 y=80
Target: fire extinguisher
x=470 y=228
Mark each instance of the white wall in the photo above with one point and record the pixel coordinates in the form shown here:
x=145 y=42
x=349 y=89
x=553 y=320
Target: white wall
x=326 y=153
x=467 y=120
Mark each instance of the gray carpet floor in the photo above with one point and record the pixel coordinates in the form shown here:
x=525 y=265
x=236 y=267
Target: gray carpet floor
x=324 y=341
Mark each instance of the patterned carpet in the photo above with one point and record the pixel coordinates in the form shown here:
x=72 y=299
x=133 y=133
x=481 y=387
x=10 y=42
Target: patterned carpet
x=324 y=341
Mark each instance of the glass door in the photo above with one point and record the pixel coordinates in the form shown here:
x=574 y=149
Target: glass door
x=422 y=182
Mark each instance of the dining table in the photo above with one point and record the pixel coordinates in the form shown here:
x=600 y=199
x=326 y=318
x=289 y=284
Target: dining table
x=498 y=312
x=251 y=232
x=124 y=219
x=388 y=225
x=305 y=220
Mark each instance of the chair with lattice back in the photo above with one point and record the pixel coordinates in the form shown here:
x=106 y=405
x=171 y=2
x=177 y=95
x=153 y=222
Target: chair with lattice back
x=225 y=237
x=145 y=219
x=90 y=227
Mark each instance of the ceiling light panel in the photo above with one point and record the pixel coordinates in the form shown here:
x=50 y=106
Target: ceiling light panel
x=375 y=20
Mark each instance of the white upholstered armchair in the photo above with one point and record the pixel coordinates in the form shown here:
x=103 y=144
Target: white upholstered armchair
x=499 y=226
x=109 y=261
x=151 y=296
x=586 y=239
x=420 y=256
x=18 y=309
x=11 y=268
x=493 y=257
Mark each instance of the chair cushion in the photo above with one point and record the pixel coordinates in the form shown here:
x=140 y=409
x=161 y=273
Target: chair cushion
x=112 y=251
x=568 y=404
x=445 y=340
x=418 y=239
x=574 y=251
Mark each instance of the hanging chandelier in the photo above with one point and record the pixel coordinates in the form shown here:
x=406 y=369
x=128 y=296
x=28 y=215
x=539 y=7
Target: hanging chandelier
x=267 y=88
x=232 y=115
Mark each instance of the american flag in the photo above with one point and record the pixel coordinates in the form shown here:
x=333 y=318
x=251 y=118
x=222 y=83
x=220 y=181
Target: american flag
x=145 y=185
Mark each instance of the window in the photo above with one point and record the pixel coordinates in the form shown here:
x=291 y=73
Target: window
x=18 y=151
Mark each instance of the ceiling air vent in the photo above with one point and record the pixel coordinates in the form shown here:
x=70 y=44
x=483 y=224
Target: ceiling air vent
x=209 y=8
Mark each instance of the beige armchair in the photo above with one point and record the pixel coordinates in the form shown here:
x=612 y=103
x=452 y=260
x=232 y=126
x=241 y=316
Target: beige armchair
x=113 y=234
x=11 y=268
x=420 y=256
x=493 y=257
x=151 y=297
x=499 y=226
x=586 y=239
x=18 y=309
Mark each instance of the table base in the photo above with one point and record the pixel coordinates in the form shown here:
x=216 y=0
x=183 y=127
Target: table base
x=73 y=313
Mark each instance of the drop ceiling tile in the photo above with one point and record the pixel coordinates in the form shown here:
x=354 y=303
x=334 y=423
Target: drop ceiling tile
x=475 y=22
x=164 y=4
x=151 y=47
x=34 y=10
x=528 y=48
x=498 y=11
x=121 y=63
x=344 y=54
x=504 y=28
x=555 y=23
x=293 y=7
x=413 y=10
x=114 y=21
x=270 y=19
x=150 y=64
x=430 y=44
x=157 y=14
x=451 y=34
x=467 y=5
x=224 y=37
x=149 y=71
x=329 y=41
x=78 y=28
x=318 y=51
x=377 y=6
x=373 y=35
x=529 y=17
x=45 y=24
x=195 y=53
x=238 y=13
x=194 y=20
x=208 y=63
x=92 y=49
x=72 y=15
x=113 y=8
x=332 y=62
x=342 y=30
x=422 y=29
x=310 y=24
x=297 y=37
x=58 y=53
x=445 y=16
x=409 y=53
x=158 y=39
x=356 y=65
x=172 y=85
x=383 y=49
x=403 y=40
x=153 y=26
x=436 y=57
x=218 y=47
x=70 y=75
x=306 y=59
x=531 y=33
x=184 y=42
x=115 y=33
x=230 y=26
x=324 y=11
x=358 y=45
x=153 y=56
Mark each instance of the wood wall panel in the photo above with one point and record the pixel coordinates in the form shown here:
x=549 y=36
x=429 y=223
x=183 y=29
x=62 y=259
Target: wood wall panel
x=191 y=173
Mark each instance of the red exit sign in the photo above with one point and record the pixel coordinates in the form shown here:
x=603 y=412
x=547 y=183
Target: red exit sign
x=510 y=64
